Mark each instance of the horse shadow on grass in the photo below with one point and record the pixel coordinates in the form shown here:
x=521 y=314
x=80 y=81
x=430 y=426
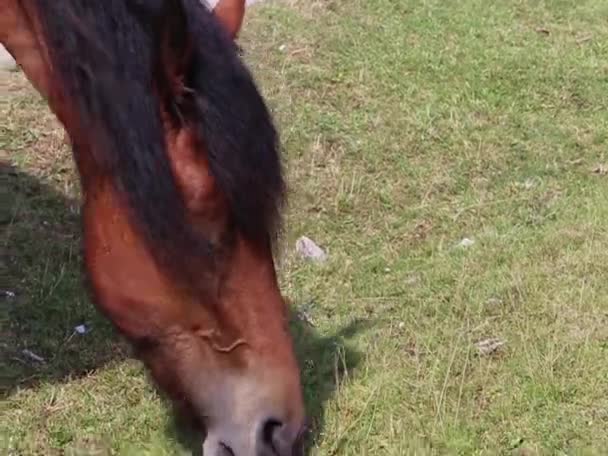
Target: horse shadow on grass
x=45 y=305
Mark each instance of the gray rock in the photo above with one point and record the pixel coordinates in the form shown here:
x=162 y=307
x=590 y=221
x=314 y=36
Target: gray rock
x=307 y=248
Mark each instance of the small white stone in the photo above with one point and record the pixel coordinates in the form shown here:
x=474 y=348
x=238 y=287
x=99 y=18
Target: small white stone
x=81 y=329
x=529 y=183
x=602 y=170
x=307 y=248
x=488 y=346
x=466 y=242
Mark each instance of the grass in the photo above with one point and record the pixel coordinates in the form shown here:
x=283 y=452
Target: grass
x=407 y=126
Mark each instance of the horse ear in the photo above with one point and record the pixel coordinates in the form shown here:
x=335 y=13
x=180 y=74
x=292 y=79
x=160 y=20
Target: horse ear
x=174 y=48
x=230 y=13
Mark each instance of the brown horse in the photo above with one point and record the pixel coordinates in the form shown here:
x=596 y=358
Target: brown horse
x=182 y=191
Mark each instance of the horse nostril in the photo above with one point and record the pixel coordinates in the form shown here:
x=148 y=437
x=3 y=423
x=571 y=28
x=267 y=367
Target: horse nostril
x=279 y=439
x=271 y=438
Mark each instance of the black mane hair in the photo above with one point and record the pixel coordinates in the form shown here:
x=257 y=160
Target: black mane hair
x=105 y=55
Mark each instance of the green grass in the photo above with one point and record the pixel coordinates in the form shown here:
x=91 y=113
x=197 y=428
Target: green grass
x=407 y=126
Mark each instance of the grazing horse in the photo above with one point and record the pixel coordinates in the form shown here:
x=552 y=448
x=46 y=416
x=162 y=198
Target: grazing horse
x=182 y=192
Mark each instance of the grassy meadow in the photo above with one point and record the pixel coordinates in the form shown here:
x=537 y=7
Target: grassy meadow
x=451 y=158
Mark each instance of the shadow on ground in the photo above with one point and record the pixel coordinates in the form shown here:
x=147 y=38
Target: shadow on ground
x=41 y=291
x=45 y=299
x=326 y=361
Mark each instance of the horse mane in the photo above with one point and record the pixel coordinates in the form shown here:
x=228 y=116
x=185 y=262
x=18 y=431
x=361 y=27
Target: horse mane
x=104 y=55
